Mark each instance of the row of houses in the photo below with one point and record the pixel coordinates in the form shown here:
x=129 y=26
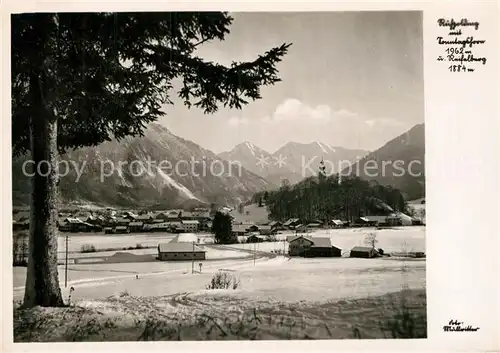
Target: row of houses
x=182 y=226
x=127 y=221
x=392 y=219
x=305 y=246
x=273 y=227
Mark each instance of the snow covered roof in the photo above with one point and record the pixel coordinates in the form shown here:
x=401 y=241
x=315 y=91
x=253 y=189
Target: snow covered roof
x=179 y=247
x=185 y=238
x=135 y=224
x=292 y=238
x=290 y=221
x=363 y=249
x=239 y=228
x=322 y=242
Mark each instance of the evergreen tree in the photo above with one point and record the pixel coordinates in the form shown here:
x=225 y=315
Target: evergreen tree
x=79 y=79
x=260 y=202
x=222 y=229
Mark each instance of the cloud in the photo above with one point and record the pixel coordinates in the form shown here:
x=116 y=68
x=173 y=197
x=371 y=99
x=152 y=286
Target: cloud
x=383 y=122
x=295 y=110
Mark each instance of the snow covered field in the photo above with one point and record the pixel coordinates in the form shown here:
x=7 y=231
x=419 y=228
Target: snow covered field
x=320 y=298
x=270 y=279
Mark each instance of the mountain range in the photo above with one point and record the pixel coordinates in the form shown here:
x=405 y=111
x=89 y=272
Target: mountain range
x=399 y=163
x=294 y=161
x=161 y=170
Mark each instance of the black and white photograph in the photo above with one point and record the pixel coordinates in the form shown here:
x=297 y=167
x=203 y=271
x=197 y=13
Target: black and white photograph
x=215 y=176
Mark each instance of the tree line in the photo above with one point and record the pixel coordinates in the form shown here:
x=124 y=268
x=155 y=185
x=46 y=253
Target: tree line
x=323 y=198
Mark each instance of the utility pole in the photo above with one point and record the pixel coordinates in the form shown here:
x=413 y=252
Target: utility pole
x=254 y=252
x=192 y=260
x=66 y=265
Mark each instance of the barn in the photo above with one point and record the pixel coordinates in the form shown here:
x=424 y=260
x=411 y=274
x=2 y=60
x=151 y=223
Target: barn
x=364 y=252
x=312 y=247
x=180 y=252
x=322 y=247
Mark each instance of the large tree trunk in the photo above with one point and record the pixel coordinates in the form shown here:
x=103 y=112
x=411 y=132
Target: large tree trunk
x=42 y=281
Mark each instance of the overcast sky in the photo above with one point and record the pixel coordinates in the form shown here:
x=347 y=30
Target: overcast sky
x=352 y=79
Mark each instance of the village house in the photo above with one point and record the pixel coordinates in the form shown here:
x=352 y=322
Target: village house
x=186 y=215
x=254 y=238
x=191 y=225
x=75 y=225
x=64 y=226
x=276 y=225
x=120 y=222
x=201 y=215
x=364 y=252
x=312 y=247
x=130 y=215
x=251 y=228
x=239 y=229
x=180 y=252
x=135 y=226
x=266 y=230
x=121 y=230
x=109 y=230
x=365 y=222
x=314 y=225
x=83 y=216
x=301 y=228
x=161 y=216
x=96 y=220
x=292 y=223
x=145 y=218
x=157 y=227
x=336 y=223
x=404 y=219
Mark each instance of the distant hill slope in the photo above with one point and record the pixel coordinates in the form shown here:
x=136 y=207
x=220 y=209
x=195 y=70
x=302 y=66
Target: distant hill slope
x=399 y=163
x=252 y=214
x=157 y=169
x=294 y=161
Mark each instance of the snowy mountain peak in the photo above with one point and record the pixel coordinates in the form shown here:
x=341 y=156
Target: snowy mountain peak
x=251 y=147
x=322 y=147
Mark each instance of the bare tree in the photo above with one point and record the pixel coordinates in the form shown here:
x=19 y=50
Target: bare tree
x=371 y=239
